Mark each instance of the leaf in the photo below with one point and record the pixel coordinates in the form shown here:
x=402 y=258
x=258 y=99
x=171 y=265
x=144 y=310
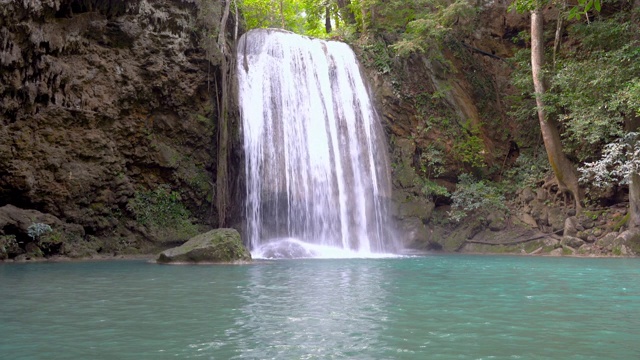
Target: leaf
x=588 y=6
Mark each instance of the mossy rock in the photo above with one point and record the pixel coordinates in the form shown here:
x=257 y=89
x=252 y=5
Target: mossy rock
x=215 y=246
x=458 y=238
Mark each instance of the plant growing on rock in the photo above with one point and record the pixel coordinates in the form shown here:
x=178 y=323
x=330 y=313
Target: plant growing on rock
x=161 y=211
x=476 y=197
x=620 y=159
x=620 y=164
x=36 y=230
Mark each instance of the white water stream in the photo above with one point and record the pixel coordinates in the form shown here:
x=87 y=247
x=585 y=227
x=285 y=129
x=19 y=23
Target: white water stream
x=316 y=164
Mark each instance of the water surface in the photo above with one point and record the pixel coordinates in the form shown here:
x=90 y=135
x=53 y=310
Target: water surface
x=435 y=307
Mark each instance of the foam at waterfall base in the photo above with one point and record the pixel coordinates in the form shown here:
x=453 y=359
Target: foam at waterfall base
x=292 y=248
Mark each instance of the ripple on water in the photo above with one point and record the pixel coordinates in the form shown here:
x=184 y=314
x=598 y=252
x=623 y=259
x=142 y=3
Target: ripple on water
x=439 y=307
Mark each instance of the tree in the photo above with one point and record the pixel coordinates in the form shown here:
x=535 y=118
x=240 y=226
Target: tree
x=284 y=14
x=566 y=175
x=564 y=171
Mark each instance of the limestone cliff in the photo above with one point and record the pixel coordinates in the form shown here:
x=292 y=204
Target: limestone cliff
x=101 y=101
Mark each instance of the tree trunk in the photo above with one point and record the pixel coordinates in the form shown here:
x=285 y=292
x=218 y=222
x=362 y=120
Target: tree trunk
x=559 y=28
x=223 y=27
x=634 y=200
x=363 y=11
x=346 y=12
x=562 y=168
x=282 y=13
x=327 y=19
x=222 y=181
x=632 y=124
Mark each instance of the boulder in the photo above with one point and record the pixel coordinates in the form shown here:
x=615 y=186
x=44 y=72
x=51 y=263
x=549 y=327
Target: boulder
x=572 y=242
x=414 y=232
x=405 y=205
x=529 y=220
x=215 y=246
x=571 y=226
x=556 y=218
x=497 y=222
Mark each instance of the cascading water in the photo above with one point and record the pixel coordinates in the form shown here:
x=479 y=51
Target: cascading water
x=316 y=162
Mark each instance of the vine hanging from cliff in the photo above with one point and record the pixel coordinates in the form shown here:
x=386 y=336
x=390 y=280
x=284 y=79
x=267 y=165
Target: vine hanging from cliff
x=226 y=69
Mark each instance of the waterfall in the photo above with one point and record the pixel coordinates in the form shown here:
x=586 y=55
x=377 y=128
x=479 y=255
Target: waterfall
x=315 y=155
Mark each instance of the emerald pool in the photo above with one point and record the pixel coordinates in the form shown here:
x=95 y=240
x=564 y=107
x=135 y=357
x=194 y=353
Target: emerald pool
x=431 y=307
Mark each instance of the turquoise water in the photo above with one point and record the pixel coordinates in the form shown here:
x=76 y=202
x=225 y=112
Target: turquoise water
x=435 y=307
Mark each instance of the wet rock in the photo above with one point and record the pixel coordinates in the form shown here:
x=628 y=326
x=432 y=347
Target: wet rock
x=286 y=249
x=414 y=232
x=405 y=205
x=215 y=246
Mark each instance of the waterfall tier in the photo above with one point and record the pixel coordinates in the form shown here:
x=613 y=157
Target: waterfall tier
x=316 y=160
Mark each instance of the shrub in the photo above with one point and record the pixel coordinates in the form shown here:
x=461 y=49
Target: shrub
x=478 y=197
x=36 y=230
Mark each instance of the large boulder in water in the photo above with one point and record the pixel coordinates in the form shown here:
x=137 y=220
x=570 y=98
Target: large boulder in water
x=215 y=246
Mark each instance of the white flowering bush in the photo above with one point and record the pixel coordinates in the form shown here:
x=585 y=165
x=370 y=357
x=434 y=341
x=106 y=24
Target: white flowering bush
x=619 y=160
x=36 y=230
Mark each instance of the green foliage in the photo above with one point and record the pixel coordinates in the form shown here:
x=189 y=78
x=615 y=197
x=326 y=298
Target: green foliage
x=593 y=89
x=379 y=56
x=285 y=14
x=432 y=161
x=479 y=197
x=596 y=88
x=432 y=189
x=305 y=17
x=431 y=22
x=51 y=242
x=469 y=149
x=528 y=169
x=8 y=246
x=582 y=8
x=161 y=211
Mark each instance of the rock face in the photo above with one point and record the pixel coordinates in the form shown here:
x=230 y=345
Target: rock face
x=101 y=100
x=215 y=246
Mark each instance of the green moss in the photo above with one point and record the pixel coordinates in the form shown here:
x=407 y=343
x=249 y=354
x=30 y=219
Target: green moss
x=162 y=212
x=533 y=246
x=617 y=250
x=593 y=214
x=219 y=245
x=622 y=222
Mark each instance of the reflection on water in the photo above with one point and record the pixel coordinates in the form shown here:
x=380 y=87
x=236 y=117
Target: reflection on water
x=339 y=312
x=438 y=307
